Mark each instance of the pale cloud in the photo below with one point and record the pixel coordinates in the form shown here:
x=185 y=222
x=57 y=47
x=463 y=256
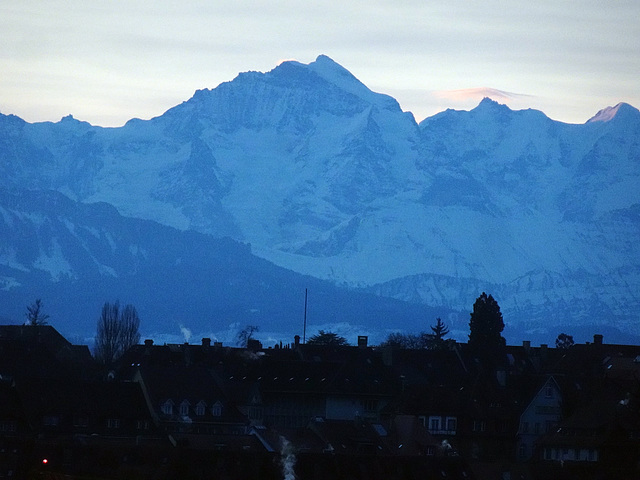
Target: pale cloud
x=478 y=93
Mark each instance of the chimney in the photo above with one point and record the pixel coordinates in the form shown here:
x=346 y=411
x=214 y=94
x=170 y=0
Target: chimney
x=597 y=339
x=254 y=345
x=526 y=344
x=362 y=341
x=296 y=340
x=148 y=346
x=206 y=342
x=543 y=351
x=217 y=344
x=387 y=355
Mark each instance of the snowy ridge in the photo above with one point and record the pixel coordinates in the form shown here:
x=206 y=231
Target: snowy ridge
x=326 y=178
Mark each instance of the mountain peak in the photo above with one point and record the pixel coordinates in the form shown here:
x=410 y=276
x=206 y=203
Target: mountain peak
x=336 y=74
x=609 y=113
x=488 y=103
x=331 y=70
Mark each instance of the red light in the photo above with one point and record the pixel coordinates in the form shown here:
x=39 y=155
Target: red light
x=45 y=461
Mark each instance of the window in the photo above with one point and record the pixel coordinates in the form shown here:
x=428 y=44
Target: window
x=142 y=424
x=216 y=409
x=502 y=426
x=369 y=405
x=434 y=424
x=522 y=452
x=452 y=424
x=184 y=408
x=536 y=428
x=80 y=421
x=479 y=425
x=167 y=407
x=525 y=427
x=8 y=426
x=548 y=391
x=113 y=423
x=51 y=420
x=200 y=409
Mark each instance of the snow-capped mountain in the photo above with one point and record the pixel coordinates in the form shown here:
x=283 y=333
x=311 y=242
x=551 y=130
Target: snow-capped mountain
x=324 y=177
x=77 y=256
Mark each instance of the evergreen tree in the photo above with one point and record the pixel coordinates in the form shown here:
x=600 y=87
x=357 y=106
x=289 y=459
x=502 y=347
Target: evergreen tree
x=437 y=341
x=440 y=330
x=564 y=341
x=485 y=326
x=327 y=338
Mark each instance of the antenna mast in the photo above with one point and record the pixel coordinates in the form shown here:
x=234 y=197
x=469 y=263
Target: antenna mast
x=304 y=330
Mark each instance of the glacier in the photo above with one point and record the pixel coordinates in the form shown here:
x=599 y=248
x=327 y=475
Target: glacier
x=326 y=178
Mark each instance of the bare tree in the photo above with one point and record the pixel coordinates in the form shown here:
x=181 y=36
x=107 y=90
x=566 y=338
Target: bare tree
x=409 y=341
x=34 y=314
x=117 y=331
x=130 y=327
x=246 y=335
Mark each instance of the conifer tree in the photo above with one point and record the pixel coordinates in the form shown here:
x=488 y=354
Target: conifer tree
x=486 y=325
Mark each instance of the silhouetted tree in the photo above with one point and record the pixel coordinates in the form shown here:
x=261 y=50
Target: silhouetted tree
x=34 y=314
x=437 y=340
x=564 y=341
x=117 y=331
x=130 y=327
x=409 y=341
x=485 y=328
x=327 y=338
x=245 y=335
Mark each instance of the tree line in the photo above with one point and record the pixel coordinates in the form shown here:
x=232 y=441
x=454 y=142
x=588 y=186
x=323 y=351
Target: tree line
x=118 y=329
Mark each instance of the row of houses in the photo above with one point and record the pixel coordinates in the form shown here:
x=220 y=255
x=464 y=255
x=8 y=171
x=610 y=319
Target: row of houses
x=307 y=411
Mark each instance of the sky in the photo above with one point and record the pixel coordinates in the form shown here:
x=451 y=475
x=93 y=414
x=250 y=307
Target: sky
x=108 y=61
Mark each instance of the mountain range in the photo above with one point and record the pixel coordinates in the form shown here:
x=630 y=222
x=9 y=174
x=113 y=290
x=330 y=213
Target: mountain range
x=305 y=170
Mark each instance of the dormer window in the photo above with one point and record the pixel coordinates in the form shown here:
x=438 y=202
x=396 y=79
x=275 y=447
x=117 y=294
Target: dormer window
x=201 y=408
x=167 y=407
x=548 y=391
x=216 y=409
x=184 y=408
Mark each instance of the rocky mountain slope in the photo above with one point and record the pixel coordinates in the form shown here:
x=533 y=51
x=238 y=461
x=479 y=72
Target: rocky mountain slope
x=324 y=177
